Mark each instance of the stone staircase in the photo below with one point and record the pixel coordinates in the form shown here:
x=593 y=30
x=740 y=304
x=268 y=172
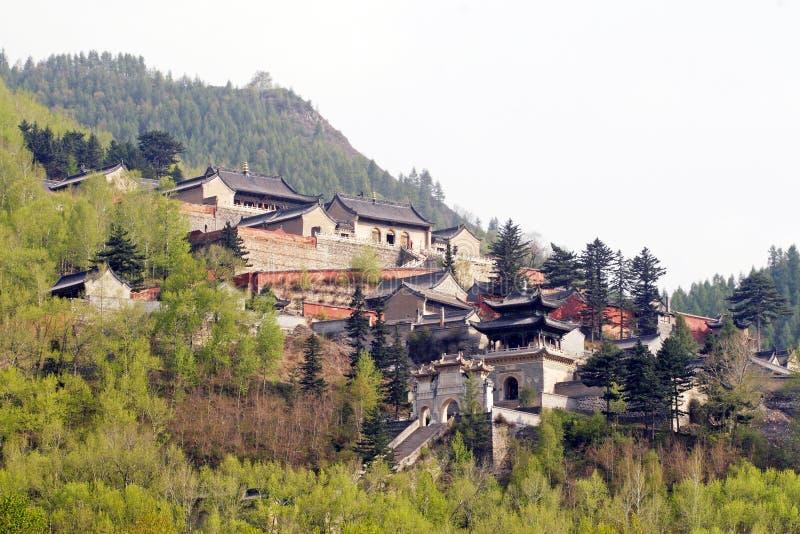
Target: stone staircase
x=407 y=451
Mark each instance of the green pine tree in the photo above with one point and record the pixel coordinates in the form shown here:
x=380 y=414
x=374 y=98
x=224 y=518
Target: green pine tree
x=619 y=286
x=508 y=253
x=379 y=348
x=757 y=302
x=229 y=238
x=374 y=442
x=311 y=380
x=449 y=263
x=604 y=369
x=595 y=262
x=398 y=375
x=643 y=389
x=674 y=367
x=561 y=269
x=357 y=326
x=122 y=256
x=646 y=270
x=160 y=149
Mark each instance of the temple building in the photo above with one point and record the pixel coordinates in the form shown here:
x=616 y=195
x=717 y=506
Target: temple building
x=242 y=190
x=380 y=221
x=530 y=349
x=461 y=240
x=116 y=174
x=308 y=220
x=523 y=320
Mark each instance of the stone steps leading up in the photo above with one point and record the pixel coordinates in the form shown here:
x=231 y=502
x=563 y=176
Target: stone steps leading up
x=406 y=452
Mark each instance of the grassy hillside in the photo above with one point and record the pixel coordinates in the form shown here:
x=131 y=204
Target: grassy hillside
x=272 y=128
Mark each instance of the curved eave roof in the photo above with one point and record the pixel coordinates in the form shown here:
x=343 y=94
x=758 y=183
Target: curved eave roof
x=382 y=211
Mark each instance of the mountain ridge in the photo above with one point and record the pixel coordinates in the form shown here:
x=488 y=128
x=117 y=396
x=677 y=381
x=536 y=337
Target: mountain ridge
x=272 y=128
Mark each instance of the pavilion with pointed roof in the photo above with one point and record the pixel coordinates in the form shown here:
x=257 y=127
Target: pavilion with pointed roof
x=523 y=320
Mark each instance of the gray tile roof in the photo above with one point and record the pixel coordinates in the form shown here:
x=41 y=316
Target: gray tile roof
x=272 y=217
x=448 y=233
x=271 y=186
x=382 y=210
x=74 y=179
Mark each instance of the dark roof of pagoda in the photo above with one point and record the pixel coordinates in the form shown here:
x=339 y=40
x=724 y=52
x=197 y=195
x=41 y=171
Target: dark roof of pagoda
x=529 y=300
x=517 y=321
x=381 y=210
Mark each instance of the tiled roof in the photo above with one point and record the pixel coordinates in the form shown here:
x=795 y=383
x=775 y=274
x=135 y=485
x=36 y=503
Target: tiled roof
x=272 y=217
x=71 y=280
x=449 y=233
x=435 y=296
x=382 y=210
x=530 y=299
x=422 y=281
x=271 y=186
x=515 y=321
x=55 y=185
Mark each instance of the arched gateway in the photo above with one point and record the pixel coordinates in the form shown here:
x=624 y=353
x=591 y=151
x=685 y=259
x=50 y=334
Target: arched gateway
x=439 y=387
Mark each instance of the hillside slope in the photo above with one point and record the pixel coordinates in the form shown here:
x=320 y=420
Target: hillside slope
x=272 y=128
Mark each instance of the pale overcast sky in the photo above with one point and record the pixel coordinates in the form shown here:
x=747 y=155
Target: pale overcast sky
x=672 y=124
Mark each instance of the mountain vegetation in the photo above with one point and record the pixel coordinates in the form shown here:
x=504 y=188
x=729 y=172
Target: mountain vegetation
x=204 y=417
x=781 y=324
x=270 y=127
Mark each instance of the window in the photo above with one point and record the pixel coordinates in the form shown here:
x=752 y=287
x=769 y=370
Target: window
x=376 y=235
x=390 y=237
x=404 y=240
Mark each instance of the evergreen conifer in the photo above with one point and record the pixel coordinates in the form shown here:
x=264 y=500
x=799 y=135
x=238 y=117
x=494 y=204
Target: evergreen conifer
x=122 y=257
x=311 y=380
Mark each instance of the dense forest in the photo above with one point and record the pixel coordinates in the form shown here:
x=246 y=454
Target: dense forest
x=270 y=127
x=709 y=298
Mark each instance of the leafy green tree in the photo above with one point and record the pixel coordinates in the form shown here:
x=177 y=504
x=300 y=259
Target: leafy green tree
x=311 y=380
x=366 y=266
x=646 y=270
x=508 y=253
x=757 y=301
x=561 y=269
x=605 y=369
x=18 y=516
x=596 y=261
x=364 y=390
x=160 y=149
x=674 y=367
x=122 y=256
x=357 y=326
